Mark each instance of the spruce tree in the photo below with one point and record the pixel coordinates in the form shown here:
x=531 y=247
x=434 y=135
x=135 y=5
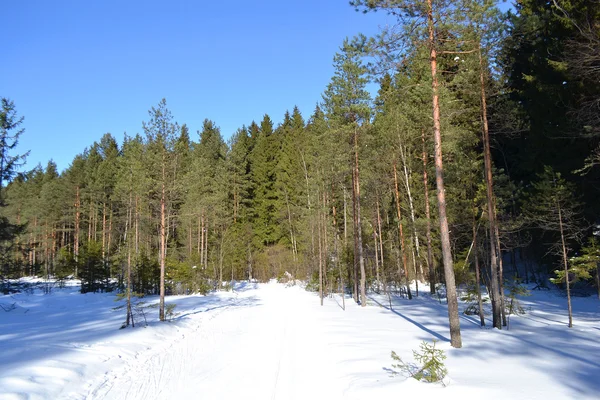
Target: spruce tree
x=10 y=131
x=552 y=207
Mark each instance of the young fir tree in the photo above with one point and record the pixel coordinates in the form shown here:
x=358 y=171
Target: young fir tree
x=588 y=262
x=552 y=207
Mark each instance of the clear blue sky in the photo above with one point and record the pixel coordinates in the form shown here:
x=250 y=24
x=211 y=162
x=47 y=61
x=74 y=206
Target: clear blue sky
x=80 y=68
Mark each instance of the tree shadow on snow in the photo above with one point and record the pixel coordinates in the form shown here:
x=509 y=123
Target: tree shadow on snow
x=60 y=324
x=412 y=321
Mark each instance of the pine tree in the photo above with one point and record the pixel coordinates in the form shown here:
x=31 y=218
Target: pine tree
x=348 y=107
x=161 y=136
x=422 y=20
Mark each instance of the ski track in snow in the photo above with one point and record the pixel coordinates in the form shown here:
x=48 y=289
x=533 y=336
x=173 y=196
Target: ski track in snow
x=266 y=341
x=251 y=351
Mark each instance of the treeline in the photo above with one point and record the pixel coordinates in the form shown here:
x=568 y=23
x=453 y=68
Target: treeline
x=363 y=192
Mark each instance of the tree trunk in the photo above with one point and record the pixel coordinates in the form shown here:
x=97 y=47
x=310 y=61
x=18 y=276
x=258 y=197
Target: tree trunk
x=380 y=239
x=129 y=318
x=235 y=200
x=201 y=247
x=206 y=245
x=221 y=261
x=500 y=274
x=494 y=249
x=430 y=266
x=320 y=249
x=376 y=258
x=477 y=274
x=325 y=248
x=137 y=226
x=412 y=217
x=104 y=232
x=190 y=245
x=361 y=261
x=336 y=256
x=90 y=222
x=401 y=232
x=292 y=237
x=76 y=233
x=355 y=258
x=109 y=239
x=455 y=337
x=565 y=264
x=163 y=235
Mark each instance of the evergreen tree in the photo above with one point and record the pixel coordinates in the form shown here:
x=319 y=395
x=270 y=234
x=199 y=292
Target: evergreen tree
x=553 y=208
x=264 y=161
x=161 y=136
x=348 y=107
x=10 y=131
x=430 y=24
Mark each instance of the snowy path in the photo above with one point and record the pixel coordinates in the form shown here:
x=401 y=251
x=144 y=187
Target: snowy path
x=256 y=351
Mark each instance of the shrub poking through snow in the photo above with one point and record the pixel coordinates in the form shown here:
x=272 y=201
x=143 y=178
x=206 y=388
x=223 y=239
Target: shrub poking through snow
x=170 y=311
x=470 y=297
x=429 y=366
x=512 y=305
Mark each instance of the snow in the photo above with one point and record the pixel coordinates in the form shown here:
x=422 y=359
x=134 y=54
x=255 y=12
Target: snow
x=269 y=341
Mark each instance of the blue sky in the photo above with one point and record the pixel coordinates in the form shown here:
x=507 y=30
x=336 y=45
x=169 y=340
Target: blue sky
x=78 y=69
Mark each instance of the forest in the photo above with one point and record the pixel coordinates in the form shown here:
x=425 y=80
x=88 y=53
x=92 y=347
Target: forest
x=474 y=165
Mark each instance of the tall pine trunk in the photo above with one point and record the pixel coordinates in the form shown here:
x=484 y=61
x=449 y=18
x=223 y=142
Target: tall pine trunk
x=455 y=337
x=411 y=207
x=336 y=257
x=361 y=260
x=430 y=266
x=380 y=240
x=494 y=249
x=355 y=237
x=76 y=232
x=163 y=244
x=401 y=232
x=477 y=274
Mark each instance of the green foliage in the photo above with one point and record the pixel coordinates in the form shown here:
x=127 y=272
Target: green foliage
x=93 y=270
x=584 y=265
x=553 y=207
x=10 y=131
x=346 y=99
x=313 y=283
x=170 y=311
x=184 y=278
x=65 y=264
x=472 y=300
x=147 y=274
x=429 y=365
x=462 y=272
x=511 y=302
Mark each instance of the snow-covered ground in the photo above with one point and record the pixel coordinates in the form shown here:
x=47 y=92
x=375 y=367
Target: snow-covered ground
x=268 y=341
